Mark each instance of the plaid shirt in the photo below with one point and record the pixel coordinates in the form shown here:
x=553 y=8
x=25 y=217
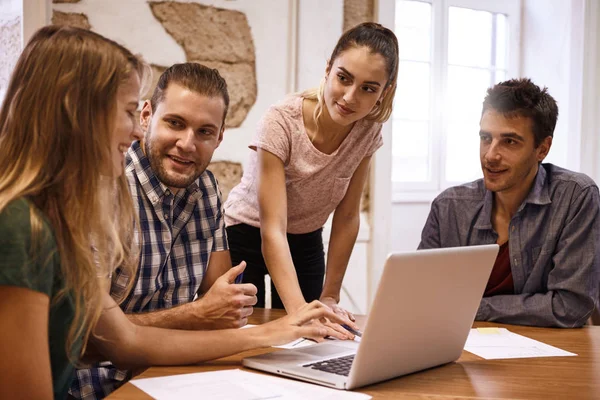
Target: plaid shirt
x=178 y=233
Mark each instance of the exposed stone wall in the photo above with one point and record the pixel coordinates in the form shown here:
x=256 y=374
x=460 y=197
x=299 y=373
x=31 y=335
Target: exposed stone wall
x=218 y=38
x=228 y=174
x=71 y=19
x=357 y=11
x=10 y=48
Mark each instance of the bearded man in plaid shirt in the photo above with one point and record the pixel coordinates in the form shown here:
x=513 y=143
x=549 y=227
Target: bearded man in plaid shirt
x=181 y=232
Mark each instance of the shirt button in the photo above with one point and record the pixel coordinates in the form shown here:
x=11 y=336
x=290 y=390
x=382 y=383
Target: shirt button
x=167 y=192
x=512 y=229
x=167 y=297
x=166 y=216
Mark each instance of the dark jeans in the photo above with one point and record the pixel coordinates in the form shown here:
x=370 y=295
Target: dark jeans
x=307 y=255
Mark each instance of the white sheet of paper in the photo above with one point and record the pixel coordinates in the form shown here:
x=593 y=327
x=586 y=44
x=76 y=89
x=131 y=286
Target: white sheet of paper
x=239 y=385
x=498 y=343
x=296 y=344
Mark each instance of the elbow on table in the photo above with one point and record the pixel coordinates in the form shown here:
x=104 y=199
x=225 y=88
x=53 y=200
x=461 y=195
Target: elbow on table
x=575 y=310
x=124 y=353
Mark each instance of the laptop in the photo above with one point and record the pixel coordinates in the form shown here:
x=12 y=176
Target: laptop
x=421 y=316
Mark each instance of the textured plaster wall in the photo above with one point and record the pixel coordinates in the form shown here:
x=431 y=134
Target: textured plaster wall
x=10 y=40
x=218 y=38
x=10 y=47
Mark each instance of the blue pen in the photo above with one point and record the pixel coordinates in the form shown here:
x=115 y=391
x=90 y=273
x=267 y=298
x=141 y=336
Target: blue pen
x=351 y=330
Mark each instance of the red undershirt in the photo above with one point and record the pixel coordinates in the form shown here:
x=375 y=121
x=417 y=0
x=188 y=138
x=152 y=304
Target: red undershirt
x=501 y=280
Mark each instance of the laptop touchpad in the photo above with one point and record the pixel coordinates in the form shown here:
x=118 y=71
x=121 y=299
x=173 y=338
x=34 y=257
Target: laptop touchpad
x=324 y=350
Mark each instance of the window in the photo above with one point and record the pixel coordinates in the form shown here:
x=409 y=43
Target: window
x=451 y=51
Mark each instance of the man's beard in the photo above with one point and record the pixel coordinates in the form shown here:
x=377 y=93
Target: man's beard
x=156 y=163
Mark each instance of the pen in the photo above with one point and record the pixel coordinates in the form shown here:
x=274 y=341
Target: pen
x=353 y=331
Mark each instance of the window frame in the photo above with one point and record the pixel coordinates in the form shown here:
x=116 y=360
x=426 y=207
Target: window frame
x=427 y=190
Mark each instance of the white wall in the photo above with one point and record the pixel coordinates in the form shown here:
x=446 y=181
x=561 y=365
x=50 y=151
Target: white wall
x=10 y=9
x=550 y=55
x=320 y=24
x=590 y=99
x=36 y=13
x=407 y=222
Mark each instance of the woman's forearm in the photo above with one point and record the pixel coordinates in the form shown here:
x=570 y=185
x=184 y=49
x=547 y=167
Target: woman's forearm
x=155 y=346
x=344 y=231
x=128 y=345
x=279 y=262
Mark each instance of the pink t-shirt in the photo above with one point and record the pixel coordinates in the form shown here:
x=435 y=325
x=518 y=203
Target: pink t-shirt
x=315 y=182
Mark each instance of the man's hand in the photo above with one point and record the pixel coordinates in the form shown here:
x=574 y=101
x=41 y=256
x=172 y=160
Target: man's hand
x=226 y=304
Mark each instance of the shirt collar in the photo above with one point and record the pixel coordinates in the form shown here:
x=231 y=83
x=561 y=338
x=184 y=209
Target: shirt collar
x=151 y=185
x=539 y=194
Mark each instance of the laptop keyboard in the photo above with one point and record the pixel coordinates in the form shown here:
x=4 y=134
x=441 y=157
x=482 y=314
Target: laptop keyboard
x=338 y=366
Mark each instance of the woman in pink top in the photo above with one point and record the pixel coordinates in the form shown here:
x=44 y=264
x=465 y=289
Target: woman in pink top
x=311 y=158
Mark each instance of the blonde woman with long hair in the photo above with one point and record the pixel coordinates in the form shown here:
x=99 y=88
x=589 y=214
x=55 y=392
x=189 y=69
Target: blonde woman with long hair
x=66 y=121
x=310 y=158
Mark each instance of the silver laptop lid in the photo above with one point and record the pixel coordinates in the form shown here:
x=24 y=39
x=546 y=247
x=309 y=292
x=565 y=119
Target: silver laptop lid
x=422 y=312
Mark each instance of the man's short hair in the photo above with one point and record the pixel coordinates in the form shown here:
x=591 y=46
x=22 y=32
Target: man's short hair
x=195 y=77
x=522 y=98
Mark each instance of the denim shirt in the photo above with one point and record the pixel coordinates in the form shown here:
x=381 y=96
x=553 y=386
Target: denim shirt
x=553 y=244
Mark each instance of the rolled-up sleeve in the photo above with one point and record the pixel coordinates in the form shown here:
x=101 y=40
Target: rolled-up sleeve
x=220 y=242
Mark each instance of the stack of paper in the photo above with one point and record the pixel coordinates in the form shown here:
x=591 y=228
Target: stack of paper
x=496 y=343
x=238 y=385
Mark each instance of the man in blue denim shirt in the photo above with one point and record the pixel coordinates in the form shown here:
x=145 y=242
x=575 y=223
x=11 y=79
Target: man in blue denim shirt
x=545 y=218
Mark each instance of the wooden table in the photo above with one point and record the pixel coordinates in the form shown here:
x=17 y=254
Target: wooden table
x=468 y=378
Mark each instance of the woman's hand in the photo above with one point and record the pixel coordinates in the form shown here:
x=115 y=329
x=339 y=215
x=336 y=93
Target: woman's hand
x=338 y=331
x=312 y=321
x=333 y=304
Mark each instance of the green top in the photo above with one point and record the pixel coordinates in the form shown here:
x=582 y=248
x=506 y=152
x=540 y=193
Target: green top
x=38 y=270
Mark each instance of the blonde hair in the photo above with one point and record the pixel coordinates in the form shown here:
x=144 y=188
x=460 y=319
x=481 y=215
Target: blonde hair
x=56 y=125
x=379 y=40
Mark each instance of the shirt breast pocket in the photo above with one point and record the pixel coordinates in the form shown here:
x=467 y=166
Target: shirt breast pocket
x=338 y=191
x=206 y=228
x=202 y=241
x=539 y=266
x=539 y=254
